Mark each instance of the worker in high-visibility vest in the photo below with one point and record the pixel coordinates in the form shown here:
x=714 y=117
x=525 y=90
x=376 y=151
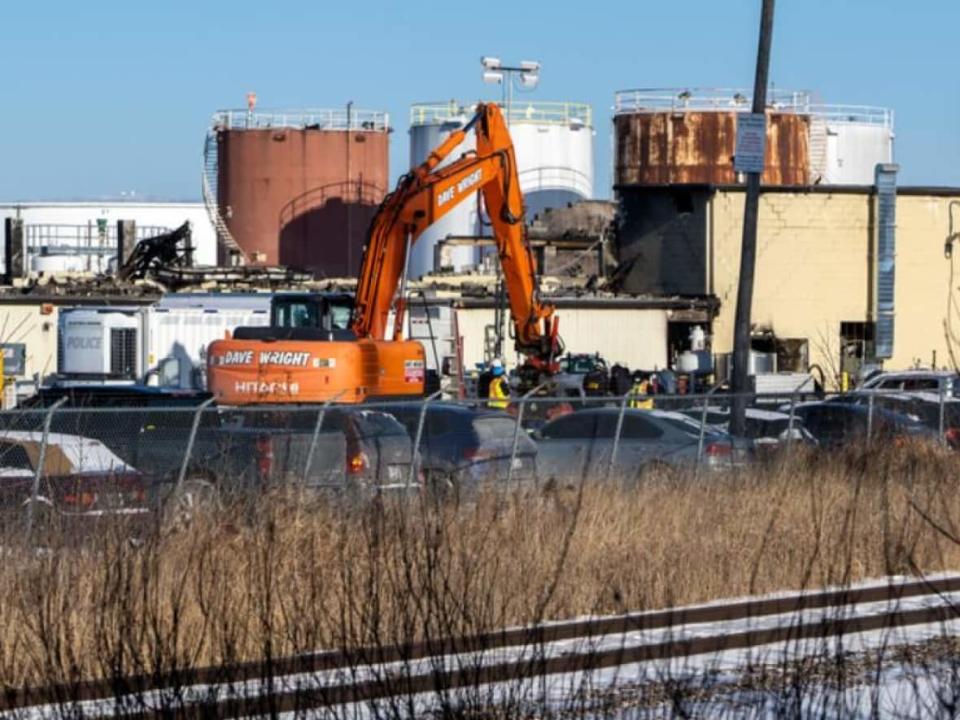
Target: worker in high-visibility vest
x=499 y=392
x=640 y=392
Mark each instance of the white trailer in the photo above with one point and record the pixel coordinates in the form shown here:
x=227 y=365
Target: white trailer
x=163 y=344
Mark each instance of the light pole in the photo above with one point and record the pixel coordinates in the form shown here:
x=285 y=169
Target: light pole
x=495 y=72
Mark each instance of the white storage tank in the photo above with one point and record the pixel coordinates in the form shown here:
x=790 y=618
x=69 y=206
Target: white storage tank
x=554 y=147
x=430 y=124
x=848 y=142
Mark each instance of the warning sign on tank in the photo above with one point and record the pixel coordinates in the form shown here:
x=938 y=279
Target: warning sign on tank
x=413 y=371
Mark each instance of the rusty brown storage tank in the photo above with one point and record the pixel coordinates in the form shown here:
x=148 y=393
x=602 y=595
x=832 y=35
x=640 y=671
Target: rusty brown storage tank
x=689 y=136
x=296 y=187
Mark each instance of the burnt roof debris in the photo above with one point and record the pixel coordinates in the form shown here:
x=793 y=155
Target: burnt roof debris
x=165 y=251
x=584 y=220
x=168 y=260
x=259 y=277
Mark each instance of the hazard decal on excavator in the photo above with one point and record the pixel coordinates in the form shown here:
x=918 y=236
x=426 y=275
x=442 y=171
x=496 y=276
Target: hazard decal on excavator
x=413 y=371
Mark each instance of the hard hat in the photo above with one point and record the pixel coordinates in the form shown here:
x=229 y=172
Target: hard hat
x=497 y=370
x=496 y=363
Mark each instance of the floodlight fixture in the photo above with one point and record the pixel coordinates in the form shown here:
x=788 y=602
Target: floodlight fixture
x=525 y=75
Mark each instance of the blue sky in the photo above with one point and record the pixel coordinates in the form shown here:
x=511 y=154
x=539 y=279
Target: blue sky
x=107 y=96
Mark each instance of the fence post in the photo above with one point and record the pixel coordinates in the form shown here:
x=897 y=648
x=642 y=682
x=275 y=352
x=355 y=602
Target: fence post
x=415 y=459
x=703 y=429
x=940 y=436
x=38 y=472
x=316 y=433
x=516 y=430
x=193 y=435
x=616 y=436
x=793 y=405
x=870 y=418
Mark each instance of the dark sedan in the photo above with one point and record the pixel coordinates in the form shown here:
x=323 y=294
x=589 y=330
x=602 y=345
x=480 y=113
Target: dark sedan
x=580 y=445
x=465 y=444
x=842 y=424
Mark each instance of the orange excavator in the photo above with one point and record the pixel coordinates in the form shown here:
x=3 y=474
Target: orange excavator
x=311 y=353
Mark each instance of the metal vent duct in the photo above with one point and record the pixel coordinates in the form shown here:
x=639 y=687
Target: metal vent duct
x=885 y=180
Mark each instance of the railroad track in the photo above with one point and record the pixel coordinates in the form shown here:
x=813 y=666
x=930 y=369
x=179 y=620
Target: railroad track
x=326 y=680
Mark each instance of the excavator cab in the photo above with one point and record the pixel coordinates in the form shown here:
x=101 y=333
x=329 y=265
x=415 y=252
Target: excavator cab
x=305 y=316
x=327 y=311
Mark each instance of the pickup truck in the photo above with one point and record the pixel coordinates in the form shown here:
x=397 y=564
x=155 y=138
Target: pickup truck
x=235 y=448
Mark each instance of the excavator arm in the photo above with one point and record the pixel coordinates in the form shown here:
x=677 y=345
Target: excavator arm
x=425 y=195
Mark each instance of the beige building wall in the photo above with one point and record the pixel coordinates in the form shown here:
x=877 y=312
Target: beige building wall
x=815 y=269
x=637 y=338
x=923 y=283
x=34 y=324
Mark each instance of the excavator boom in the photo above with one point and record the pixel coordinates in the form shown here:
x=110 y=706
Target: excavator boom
x=424 y=196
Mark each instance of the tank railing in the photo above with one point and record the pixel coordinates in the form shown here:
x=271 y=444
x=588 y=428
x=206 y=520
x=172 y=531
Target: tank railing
x=733 y=100
x=356 y=191
x=719 y=99
x=546 y=113
x=321 y=119
x=556 y=178
x=854 y=114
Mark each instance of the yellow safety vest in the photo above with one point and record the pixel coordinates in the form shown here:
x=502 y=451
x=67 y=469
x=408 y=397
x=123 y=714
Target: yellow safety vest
x=499 y=393
x=644 y=403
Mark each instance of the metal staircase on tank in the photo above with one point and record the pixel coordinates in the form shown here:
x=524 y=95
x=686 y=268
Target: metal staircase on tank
x=225 y=239
x=818 y=149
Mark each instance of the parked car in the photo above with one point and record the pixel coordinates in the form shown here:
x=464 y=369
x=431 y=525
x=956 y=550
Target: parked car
x=235 y=448
x=146 y=427
x=460 y=444
x=766 y=428
x=580 y=445
x=80 y=477
x=914 y=381
x=375 y=450
x=841 y=424
x=921 y=406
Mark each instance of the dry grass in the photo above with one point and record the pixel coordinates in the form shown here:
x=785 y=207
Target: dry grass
x=289 y=576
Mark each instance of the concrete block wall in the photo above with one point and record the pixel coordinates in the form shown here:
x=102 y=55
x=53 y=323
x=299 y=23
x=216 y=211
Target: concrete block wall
x=923 y=283
x=815 y=269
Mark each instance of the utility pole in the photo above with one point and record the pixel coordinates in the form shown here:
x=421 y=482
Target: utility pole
x=748 y=249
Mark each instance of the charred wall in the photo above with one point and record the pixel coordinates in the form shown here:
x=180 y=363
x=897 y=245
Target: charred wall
x=661 y=240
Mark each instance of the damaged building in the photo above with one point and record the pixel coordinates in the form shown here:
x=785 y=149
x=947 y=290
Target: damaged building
x=851 y=269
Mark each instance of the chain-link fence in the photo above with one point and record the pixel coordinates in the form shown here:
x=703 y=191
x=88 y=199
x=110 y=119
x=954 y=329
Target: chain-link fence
x=83 y=463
